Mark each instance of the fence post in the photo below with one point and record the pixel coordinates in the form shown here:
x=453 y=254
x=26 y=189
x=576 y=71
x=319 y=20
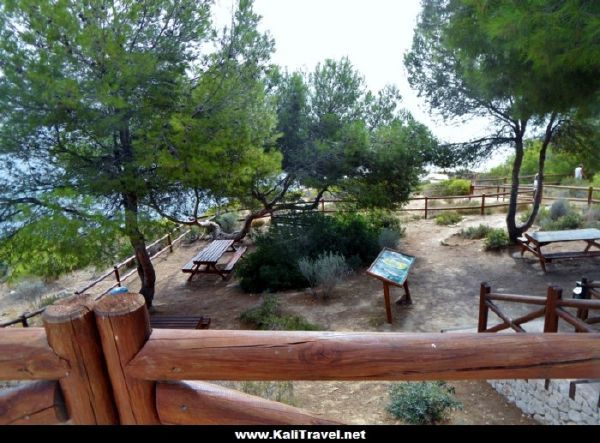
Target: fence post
x=426 y=200
x=170 y=242
x=551 y=318
x=482 y=204
x=23 y=319
x=484 y=290
x=322 y=205
x=498 y=193
x=124 y=326
x=590 y=193
x=72 y=334
x=471 y=190
x=117 y=276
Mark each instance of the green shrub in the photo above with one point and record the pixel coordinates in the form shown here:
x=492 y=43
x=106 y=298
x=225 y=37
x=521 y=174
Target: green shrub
x=448 y=218
x=496 y=239
x=559 y=209
x=228 y=222
x=268 y=317
x=389 y=238
x=326 y=271
x=449 y=188
x=422 y=403
x=573 y=220
x=592 y=217
x=274 y=264
x=475 y=232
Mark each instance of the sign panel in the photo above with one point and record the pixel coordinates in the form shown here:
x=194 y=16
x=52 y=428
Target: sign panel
x=391 y=266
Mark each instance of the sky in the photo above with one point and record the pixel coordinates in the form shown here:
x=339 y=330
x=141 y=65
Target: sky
x=373 y=34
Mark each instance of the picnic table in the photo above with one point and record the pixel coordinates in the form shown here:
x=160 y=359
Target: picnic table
x=205 y=262
x=537 y=240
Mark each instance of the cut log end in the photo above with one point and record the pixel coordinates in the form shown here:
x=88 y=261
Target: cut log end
x=69 y=308
x=119 y=304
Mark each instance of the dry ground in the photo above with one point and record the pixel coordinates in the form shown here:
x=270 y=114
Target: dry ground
x=444 y=284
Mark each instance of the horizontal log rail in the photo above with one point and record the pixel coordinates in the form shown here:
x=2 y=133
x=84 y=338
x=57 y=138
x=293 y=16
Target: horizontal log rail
x=38 y=403
x=26 y=355
x=196 y=403
x=112 y=367
x=257 y=355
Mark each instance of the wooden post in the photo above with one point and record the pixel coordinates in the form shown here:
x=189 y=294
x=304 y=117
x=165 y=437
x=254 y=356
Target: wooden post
x=124 y=326
x=590 y=194
x=72 y=334
x=408 y=300
x=116 y=269
x=169 y=242
x=471 y=190
x=484 y=290
x=426 y=201
x=498 y=193
x=322 y=205
x=482 y=204
x=551 y=319
x=388 y=305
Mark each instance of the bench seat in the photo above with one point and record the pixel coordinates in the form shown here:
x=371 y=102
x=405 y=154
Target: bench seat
x=560 y=255
x=179 y=322
x=188 y=267
x=235 y=258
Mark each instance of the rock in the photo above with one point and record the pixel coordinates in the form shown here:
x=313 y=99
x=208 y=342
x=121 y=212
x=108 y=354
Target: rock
x=574 y=416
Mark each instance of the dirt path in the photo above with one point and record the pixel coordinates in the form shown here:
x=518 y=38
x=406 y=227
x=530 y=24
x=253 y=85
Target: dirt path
x=444 y=285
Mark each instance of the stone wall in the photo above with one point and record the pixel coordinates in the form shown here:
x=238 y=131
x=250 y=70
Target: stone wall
x=553 y=406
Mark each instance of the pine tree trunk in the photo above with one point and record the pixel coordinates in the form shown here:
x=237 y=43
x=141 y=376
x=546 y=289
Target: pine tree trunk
x=511 y=223
x=145 y=268
x=537 y=199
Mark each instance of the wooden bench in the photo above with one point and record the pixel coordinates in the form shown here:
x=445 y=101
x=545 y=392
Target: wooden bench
x=179 y=322
x=537 y=240
x=205 y=262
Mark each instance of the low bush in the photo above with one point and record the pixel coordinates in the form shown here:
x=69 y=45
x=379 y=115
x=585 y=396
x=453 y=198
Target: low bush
x=274 y=264
x=475 y=232
x=269 y=317
x=326 y=271
x=449 y=188
x=389 y=238
x=448 y=218
x=559 y=209
x=572 y=220
x=422 y=403
x=592 y=217
x=496 y=239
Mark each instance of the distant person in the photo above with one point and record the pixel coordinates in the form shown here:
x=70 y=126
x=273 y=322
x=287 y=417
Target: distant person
x=579 y=172
x=536 y=183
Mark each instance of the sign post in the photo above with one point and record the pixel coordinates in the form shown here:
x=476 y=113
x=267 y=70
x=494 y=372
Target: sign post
x=391 y=267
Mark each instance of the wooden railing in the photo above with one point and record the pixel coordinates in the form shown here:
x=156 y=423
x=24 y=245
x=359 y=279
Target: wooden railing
x=112 y=368
x=552 y=310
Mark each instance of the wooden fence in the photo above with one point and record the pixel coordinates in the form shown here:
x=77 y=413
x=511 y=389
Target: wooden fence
x=552 y=310
x=99 y=362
